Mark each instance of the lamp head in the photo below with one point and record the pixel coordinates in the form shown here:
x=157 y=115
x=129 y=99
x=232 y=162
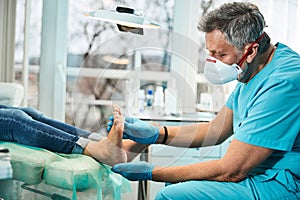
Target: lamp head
x=127 y=28
x=127 y=19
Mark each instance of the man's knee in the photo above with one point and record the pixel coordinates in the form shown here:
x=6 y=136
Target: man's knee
x=173 y=192
x=203 y=190
x=161 y=195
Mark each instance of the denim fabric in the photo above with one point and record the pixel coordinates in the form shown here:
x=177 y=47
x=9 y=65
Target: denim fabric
x=30 y=127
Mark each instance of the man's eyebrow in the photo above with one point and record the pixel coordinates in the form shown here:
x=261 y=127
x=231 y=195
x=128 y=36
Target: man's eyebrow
x=212 y=51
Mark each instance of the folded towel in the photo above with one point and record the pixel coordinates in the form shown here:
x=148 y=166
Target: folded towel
x=5 y=166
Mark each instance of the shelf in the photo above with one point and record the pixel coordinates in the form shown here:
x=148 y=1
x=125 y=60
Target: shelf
x=188 y=117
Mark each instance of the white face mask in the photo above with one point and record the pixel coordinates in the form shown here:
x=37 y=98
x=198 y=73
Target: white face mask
x=218 y=72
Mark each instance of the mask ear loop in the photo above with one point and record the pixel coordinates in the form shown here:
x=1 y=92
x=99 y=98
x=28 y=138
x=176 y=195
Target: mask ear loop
x=250 y=49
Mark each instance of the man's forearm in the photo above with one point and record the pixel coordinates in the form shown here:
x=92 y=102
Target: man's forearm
x=185 y=136
x=210 y=170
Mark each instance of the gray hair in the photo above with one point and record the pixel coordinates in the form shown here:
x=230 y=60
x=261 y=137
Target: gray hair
x=240 y=22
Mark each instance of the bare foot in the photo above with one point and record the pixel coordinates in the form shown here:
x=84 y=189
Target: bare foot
x=110 y=150
x=115 y=136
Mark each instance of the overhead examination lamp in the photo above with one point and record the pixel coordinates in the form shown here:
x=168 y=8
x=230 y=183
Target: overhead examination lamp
x=127 y=19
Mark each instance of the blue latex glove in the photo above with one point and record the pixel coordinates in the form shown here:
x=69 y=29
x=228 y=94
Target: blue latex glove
x=140 y=131
x=134 y=171
x=137 y=130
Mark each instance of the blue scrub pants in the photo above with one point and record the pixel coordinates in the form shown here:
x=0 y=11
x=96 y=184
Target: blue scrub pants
x=249 y=189
x=30 y=127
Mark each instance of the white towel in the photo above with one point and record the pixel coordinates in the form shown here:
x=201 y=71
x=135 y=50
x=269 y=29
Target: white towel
x=5 y=167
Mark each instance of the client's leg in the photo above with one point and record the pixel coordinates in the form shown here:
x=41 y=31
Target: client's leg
x=109 y=150
x=133 y=149
x=17 y=126
x=38 y=116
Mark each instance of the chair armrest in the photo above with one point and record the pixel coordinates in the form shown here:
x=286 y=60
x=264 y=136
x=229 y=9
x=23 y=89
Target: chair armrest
x=11 y=94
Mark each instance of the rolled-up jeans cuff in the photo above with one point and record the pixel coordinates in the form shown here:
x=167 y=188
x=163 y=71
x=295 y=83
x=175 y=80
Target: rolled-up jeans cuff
x=95 y=137
x=80 y=145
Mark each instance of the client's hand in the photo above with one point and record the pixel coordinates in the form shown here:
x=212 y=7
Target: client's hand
x=138 y=130
x=134 y=171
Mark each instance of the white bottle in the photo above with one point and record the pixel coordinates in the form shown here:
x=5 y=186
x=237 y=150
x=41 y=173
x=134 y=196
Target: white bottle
x=141 y=101
x=170 y=102
x=159 y=101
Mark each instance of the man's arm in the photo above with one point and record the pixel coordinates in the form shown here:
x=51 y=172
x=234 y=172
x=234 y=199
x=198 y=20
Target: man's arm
x=194 y=135
x=239 y=159
x=233 y=167
x=200 y=134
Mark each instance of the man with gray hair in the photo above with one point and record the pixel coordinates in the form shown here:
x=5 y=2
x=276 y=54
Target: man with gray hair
x=262 y=114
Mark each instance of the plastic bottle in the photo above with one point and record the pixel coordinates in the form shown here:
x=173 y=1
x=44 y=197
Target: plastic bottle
x=149 y=98
x=141 y=101
x=158 y=103
x=170 y=102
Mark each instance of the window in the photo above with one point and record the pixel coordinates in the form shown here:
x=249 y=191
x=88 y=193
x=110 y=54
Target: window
x=104 y=64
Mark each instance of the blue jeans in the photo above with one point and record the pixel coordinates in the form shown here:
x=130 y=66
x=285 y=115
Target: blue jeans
x=30 y=127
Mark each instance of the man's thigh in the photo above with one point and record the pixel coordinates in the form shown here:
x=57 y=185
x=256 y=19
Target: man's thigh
x=212 y=190
x=208 y=190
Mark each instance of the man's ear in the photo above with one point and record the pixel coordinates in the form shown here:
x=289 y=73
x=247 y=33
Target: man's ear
x=252 y=53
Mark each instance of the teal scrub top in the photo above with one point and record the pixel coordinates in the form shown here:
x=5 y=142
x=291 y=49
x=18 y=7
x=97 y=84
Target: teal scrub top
x=266 y=113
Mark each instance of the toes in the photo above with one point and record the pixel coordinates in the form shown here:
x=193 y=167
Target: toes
x=119 y=125
x=118 y=118
x=117 y=110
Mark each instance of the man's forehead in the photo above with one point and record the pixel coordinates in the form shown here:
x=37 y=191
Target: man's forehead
x=215 y=41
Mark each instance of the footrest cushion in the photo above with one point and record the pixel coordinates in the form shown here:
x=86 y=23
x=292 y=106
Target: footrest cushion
x=72 y=171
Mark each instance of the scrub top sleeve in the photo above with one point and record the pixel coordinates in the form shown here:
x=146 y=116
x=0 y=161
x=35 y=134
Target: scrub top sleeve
x=229 y=102
x=272 y=120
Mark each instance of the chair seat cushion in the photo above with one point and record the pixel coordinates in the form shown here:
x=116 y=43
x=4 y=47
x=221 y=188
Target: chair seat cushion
x=28 y=163
x=67 y=171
